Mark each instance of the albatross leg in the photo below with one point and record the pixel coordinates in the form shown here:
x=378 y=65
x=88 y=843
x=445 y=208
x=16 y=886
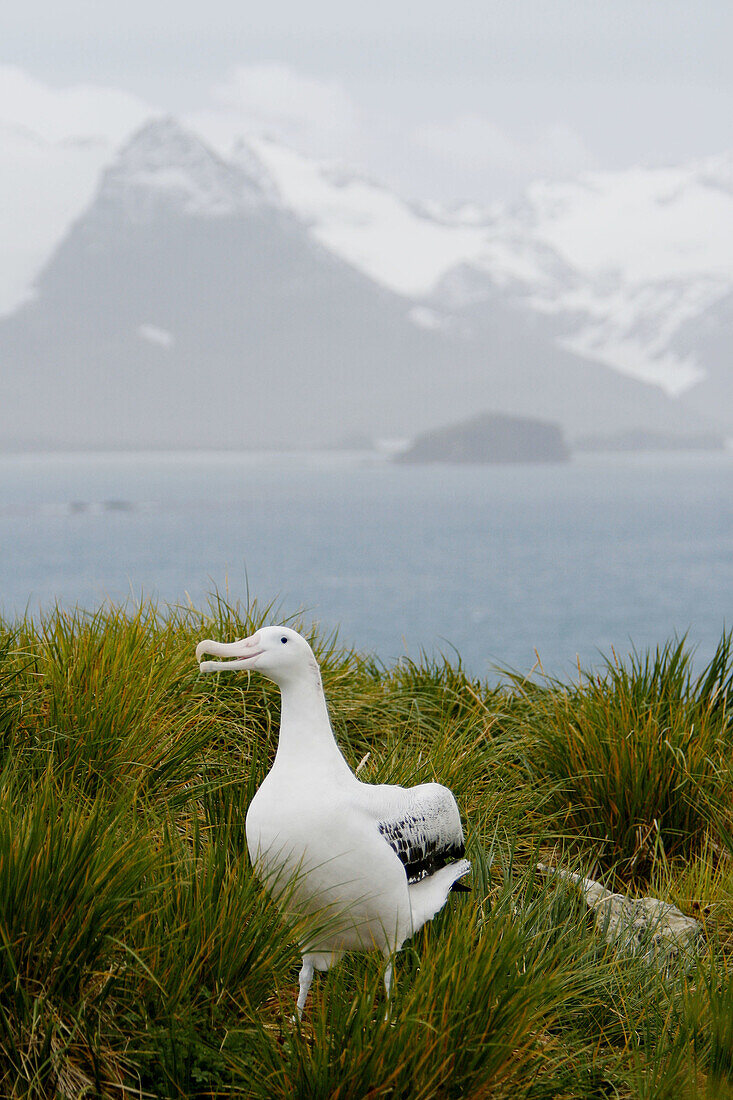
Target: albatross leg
x=389 y=958
x=388 y=979
x=304 y=979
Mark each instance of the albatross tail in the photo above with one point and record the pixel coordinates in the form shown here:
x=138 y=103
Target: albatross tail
x=430 y=894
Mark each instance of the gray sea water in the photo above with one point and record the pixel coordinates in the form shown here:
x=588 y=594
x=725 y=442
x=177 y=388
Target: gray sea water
x=496 y=563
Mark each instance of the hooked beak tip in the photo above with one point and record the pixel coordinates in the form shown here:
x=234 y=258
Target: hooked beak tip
x=231 y=655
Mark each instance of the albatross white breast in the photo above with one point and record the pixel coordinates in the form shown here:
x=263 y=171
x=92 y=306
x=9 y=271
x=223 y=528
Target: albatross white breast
x=360 y=866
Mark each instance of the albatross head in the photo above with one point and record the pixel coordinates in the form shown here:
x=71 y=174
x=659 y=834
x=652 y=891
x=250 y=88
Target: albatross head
x=279 y=653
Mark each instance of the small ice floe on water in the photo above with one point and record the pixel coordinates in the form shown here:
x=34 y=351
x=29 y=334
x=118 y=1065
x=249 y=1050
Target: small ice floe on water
x=653 y=929
x=155 y=335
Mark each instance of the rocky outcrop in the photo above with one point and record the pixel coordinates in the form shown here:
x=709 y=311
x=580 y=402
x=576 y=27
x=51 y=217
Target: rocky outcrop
x=641 y=926
x=490 y=438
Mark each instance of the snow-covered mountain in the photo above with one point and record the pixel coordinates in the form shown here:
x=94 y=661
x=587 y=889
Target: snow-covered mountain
x=190 y=304
x=645 y=252
x=166 y=165
x=186 y=307
x=632 y=270
x=621 y=263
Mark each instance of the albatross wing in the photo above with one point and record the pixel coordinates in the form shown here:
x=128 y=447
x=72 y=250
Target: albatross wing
x=421 y=824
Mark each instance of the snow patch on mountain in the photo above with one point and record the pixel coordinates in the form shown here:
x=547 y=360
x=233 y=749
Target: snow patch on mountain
x=396 y=245
x=156 y=335
x=431 y=319
x=649 y=224
x=632 y=328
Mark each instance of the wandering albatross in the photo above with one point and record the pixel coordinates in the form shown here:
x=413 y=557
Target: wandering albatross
x=358 y=865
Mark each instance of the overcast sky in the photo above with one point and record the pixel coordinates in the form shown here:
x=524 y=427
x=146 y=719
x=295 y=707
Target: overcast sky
x=462 y=100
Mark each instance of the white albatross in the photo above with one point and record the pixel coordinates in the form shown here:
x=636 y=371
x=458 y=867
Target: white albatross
x=359 y=866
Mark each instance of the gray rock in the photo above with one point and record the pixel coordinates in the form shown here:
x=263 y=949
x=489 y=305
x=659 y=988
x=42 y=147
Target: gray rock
x=647 y=927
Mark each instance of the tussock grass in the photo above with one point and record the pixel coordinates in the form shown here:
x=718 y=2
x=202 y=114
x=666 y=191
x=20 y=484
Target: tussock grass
x=140 y=957
x=640 y=755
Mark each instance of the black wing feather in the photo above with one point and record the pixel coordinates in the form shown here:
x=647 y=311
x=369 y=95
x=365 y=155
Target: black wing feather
x=428 y=836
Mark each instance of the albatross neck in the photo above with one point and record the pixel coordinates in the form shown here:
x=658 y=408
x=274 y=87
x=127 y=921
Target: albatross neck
x=306 y=737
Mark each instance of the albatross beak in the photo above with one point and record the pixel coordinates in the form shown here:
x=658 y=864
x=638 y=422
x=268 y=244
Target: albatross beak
x=241 y=654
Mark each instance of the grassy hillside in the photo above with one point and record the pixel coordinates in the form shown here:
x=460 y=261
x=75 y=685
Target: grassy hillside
x=139 y=957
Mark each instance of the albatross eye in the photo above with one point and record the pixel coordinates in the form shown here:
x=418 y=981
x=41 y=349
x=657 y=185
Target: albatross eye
x=283 y=640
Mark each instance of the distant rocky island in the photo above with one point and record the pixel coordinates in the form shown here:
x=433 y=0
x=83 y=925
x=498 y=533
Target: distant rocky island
x=490 y=438
x=641 y=439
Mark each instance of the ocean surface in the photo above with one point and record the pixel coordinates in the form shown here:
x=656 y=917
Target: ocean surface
x=497 y=564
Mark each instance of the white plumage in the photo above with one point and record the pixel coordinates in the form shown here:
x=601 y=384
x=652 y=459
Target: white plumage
x=359 y=866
